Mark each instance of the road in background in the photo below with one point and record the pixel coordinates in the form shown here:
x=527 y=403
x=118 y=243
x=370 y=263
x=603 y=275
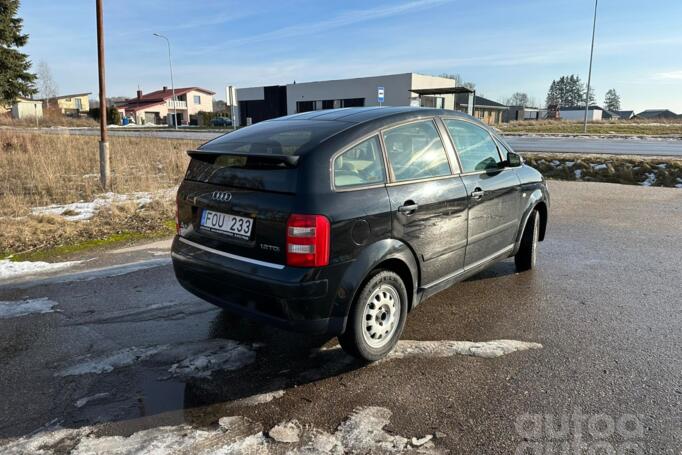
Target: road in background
x=568 y=144
x=128 y=348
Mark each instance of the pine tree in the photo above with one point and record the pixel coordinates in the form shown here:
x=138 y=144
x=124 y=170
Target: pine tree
x=15 y=78
x=612 y=100
x=568 y=91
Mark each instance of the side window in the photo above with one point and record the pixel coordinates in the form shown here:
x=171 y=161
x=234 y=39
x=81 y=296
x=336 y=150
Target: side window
x=476 y=148
x=415 y=151
x=361 y=165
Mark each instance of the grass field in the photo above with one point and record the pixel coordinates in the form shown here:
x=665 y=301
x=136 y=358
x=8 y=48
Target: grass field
x=633 y=127
x=40 y=170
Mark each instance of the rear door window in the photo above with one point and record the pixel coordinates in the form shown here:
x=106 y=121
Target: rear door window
x=415 y=151
x=476 y=148
x=360 y=165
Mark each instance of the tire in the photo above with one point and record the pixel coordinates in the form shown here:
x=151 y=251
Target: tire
x=377 y=317
x=526 y=257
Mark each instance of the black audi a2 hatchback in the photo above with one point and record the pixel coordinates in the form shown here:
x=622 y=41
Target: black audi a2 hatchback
x=341 y=221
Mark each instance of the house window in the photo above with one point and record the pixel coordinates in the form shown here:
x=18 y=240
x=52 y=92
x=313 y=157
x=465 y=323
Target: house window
x=327 y=104
x=197 y=99
x=68 y=100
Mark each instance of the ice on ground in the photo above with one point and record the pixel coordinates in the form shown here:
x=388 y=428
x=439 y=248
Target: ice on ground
x=192 y=359
x=203 y=358
x=259 y=398
x=578 y=173
x=599 y=167
x=109 y=362
x=650 y=179
x=18 y=308
x=362 y=432
x=12 y=269
x=447 y=348
x=85 y=400
x=83 y=210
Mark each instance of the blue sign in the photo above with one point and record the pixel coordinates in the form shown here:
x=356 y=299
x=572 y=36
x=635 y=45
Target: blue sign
x=380 y=94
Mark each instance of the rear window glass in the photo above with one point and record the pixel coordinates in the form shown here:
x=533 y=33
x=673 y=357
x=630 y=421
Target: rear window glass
x=279 y=137
x=360 y=165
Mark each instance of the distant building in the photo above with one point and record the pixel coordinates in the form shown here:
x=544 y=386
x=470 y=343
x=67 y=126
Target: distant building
x=609 y=115
x=158 y=107
x=25 y=108
x=657 y=114
x=487 y=111
x=578 y=113
x=256 y=104
x=75 y=104
x=626 y=115
x=519 y=113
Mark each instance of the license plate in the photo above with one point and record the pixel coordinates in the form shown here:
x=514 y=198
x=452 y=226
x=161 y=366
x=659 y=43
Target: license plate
x=224 y=223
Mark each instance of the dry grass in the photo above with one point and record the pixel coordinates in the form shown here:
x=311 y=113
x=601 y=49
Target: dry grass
x=38 y=170
x=635 y=127
x=49 y=119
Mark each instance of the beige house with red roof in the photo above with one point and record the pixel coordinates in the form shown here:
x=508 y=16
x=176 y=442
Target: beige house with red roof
x=158 y=107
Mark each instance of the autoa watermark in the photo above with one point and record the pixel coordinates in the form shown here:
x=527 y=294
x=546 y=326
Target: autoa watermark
x=578 y=434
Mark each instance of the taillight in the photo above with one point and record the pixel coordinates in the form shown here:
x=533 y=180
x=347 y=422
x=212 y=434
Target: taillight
x=308 y=241
x=177 y=214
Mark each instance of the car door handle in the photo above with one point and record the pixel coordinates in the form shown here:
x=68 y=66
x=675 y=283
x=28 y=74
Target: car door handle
x=477 y=193
x=408 y=209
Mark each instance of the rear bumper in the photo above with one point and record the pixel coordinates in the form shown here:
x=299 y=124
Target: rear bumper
x=291 y=298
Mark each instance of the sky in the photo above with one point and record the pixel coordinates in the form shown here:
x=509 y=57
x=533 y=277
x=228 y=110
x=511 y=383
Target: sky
x=502 y=46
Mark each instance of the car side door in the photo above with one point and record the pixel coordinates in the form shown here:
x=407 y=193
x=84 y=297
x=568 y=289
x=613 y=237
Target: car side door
x=428 y=199
x=494 y=192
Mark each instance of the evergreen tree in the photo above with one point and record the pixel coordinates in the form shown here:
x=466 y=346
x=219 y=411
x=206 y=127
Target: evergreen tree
x=568 y=91
x=612 y=101
x=15 y=78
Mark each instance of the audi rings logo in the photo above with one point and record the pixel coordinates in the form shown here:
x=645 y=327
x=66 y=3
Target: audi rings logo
x=221 y=196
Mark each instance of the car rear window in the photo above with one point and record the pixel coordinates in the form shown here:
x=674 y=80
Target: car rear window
x=278 y=137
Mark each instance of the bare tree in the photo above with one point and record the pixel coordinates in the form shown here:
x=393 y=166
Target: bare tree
x=459 y=81
x=47 y=87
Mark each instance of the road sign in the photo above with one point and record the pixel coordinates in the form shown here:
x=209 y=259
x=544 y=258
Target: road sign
x=380 y=94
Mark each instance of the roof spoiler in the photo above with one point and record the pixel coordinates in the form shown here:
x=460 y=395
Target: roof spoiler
x=287 y=160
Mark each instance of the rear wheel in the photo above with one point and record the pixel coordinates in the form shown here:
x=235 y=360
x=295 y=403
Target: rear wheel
x=377 y=317
x=526 y=257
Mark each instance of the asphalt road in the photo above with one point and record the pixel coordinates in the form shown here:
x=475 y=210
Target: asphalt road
x=570 y=144
x=125 y=349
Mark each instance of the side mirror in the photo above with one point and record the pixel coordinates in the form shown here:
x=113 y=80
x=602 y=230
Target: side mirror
x=514 y=159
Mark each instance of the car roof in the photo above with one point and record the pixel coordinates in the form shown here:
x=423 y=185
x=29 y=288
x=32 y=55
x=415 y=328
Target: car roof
x=358 y=115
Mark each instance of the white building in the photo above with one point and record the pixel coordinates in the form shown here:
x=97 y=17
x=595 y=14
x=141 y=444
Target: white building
x=406 y=89
x=594 y=114
x=27 y=108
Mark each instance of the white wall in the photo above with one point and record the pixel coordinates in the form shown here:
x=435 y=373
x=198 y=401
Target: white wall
x=27 y=109
x=593 y=115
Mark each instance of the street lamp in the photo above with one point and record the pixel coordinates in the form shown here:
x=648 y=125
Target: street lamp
x=589 y=74
x=170 y=64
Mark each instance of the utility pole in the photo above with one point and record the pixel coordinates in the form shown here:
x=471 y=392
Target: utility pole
x=589 y=73
x=104 y=167
x=170 y=63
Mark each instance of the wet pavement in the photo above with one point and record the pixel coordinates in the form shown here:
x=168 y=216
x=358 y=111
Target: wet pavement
x=593 y=360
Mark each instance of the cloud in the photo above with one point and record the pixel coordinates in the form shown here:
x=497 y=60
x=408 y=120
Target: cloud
x=668 y=76
x=341 y=20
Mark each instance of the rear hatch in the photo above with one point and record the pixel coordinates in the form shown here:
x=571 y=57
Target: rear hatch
x=238 y=203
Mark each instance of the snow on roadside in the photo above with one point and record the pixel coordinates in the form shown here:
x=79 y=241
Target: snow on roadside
x=12 y=269
x=79 y=211
x=362 y=432
x=15 y=309
x=447 y=348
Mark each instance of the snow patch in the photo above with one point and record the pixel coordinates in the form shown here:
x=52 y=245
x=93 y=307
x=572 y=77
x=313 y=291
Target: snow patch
x=446 y=348
x=599 y=167
x=109 y=362
x=11 y=269
x=85 y=400
x=362 y=432
x=81 y=211
x=650 y=179
x=193 y=359
x=259 y=398
x=15 y=309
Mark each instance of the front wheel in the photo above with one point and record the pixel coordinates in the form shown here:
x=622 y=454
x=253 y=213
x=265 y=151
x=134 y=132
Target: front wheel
x=377 y=317
x=526 y=257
